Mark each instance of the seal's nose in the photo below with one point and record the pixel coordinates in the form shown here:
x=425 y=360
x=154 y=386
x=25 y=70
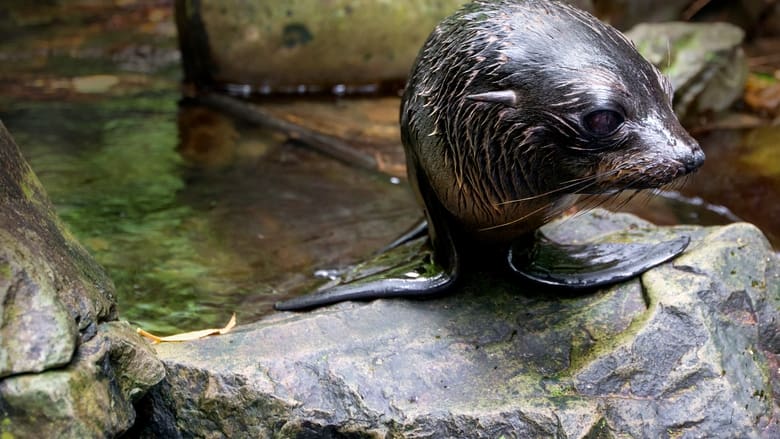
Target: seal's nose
x=695 y=159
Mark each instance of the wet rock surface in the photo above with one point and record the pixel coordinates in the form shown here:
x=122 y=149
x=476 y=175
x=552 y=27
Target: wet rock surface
x=686 y=350
x=66 y=370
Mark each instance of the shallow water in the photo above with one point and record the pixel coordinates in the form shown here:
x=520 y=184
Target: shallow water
x=187 y=246
x=255 y=215
x=231 y=221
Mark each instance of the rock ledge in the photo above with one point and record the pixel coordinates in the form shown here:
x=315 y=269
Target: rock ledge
x=689 y=350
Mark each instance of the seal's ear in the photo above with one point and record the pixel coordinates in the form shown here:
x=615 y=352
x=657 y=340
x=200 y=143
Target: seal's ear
x=505 y=97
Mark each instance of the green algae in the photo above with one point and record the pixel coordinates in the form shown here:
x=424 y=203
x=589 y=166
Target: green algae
x=115 y=182
x=187 y=247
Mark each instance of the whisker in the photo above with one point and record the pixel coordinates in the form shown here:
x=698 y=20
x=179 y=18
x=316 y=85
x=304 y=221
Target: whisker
x=514 y=221
x=630 y=197
x=609 y=200
x=593 y=201
x=647 y=197
x=589 y=177
x=592 y=179
x=597 y=201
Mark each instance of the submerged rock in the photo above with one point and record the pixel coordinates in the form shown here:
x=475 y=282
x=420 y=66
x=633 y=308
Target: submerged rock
x=66 y=370
x=690 y=349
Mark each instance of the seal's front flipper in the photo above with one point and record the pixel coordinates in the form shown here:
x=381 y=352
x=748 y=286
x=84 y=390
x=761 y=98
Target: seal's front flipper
x=417 y=230
x=593 y=264
x=410 y=281
x=423 y=262
x=407 y=270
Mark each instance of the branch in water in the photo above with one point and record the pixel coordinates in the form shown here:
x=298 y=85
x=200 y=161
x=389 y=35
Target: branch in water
x=325 y=144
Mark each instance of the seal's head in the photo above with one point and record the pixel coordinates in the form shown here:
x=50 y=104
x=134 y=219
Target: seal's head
x=515 y=106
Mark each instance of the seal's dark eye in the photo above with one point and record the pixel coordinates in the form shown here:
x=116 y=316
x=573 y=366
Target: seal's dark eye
x=602 y=122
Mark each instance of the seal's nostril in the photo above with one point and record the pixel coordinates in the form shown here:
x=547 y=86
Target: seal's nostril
x=695 y=160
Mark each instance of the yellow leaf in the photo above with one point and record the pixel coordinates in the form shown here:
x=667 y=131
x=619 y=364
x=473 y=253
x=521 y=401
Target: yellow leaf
x=94 y=83
x=187 y=336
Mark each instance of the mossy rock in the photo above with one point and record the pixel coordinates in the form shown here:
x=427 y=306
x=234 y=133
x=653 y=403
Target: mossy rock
x=67 y=369
x=685 y=350
x=53 y=293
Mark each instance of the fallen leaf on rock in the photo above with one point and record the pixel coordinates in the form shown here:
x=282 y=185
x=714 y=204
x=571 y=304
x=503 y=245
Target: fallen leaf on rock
x=187 y=336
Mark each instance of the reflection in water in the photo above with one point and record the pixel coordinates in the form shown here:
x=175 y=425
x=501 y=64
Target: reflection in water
x=188 y=245
x=207 y=139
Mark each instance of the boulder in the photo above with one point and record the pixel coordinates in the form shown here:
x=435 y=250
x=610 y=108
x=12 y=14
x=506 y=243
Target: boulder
x=66 y=368
x=300 y=45
x=690 y=349
x=91 y=397
x=52 y=293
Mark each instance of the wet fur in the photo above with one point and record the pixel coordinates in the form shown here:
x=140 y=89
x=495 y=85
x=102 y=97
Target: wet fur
x=503 y=167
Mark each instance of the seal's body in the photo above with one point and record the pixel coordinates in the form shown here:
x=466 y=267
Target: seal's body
x=515 y=106
x=512 y=110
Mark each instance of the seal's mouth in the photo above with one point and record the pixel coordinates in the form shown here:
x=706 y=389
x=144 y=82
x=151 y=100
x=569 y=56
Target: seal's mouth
x=639 y=173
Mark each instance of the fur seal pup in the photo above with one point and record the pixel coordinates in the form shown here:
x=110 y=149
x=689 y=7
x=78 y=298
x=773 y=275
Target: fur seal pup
x=513 y=109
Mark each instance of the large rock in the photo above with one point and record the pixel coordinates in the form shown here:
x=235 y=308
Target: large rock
x=52 y=293
x=92 y=397
x=66 y=370
x=279 y=46
x=689 y=350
